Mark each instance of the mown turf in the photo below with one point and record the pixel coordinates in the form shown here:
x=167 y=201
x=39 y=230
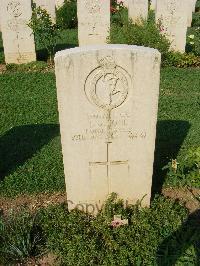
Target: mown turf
x=30 y=150
x=178 y=117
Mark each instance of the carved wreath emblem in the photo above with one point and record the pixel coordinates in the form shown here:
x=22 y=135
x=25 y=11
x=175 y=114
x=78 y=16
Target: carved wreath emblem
x=107 y=86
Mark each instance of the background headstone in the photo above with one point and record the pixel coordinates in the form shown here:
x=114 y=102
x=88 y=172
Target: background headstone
x=137 y=10
x=190 y=12
x=59 y=3
x=108 y=100
x=0 y=18
x=173 y=15
x=18 y=40
x=194 y=5
x=49 y=6
x=93 y=21
x=153 y=4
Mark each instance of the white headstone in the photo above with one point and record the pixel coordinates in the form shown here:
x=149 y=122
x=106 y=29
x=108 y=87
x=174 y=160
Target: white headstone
x=173 y=16
x=137 y=10
x=108 y=100
x=49 y=6
x=153 y=4
x=59 y=3
x=194 y=5
x=190 y=12
x=93 y=21
x=18 y=40
x=0 y=21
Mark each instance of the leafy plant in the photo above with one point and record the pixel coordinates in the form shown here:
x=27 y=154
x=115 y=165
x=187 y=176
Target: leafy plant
x=20 y=238
x=193 y=41
x=119 y=13
x=197 y=9
x=79 y=239
x=46 y=32
x=178 y=59
x=66 y=15
x=147 y=33
x=37 y=66
x=196 y=20
x=186 y=171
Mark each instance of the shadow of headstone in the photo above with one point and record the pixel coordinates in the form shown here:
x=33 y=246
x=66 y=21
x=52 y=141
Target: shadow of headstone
x=174 y=246
x=42 y=54
x=169 y=138
x=20 y=143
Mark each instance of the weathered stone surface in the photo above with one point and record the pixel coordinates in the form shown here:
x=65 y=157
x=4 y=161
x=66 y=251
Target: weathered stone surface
x=18 y=40
x=153 y=4
x=93 y=21
x=0 y=18
x=137 y=10
x=59 y=3
x=194 y=5
x=190 y=12
x=173 y=16
x=107 y=99
x=49 y=6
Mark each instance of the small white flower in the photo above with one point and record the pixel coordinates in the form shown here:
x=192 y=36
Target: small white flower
x=192 y=43
x=191 y=36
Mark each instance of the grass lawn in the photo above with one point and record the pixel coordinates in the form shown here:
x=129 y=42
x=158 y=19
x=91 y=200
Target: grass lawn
x=31 y=160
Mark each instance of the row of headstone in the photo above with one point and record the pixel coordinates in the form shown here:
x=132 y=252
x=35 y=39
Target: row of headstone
x=174 y=16
x=18 y=39
x=93 y=23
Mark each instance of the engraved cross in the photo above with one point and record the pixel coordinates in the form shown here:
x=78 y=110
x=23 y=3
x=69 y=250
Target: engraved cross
x=108 y=165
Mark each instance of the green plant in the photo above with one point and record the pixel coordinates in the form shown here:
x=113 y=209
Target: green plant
x=147 y=33
x=37 y=66
x=20 y=238
x=187 y=170
x=178 y=59
x=79 y=239
x=193 y=41
x=196 y=20
x=197 y=9
x=46 y=32
x=66 y=15
x=119 y=13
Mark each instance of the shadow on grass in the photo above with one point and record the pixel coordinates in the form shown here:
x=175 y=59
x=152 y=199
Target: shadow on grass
x=169 y=138
x=42 y=54
x=173 y=247
x=21 y=142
